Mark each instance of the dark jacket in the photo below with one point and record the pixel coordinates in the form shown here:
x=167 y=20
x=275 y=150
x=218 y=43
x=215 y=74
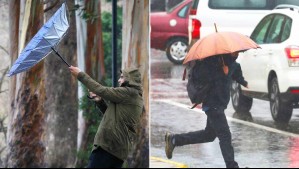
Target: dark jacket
x=219 y=93
x=117 y=130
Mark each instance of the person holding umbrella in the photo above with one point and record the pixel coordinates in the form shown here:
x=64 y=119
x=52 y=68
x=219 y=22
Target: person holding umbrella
x=214 y=105
x=118 y=128
x=217 y=54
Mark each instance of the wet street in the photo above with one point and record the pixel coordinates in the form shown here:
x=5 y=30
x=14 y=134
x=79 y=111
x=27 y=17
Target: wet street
x=258 y=141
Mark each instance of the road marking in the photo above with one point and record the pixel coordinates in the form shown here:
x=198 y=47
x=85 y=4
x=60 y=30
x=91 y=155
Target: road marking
x=231 y=119
x=178 y=165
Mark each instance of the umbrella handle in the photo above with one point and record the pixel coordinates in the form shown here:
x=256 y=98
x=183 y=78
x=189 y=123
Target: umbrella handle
x=60 y=57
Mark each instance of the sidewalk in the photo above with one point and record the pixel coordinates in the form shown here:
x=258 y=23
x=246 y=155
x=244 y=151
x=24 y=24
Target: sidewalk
x=156 y=162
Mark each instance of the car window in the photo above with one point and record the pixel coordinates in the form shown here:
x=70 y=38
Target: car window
x=275 y=29
x=195 y=4
x=292 y=2
x=286 y=31
x=173 y=8
x=238 y=4
x=260 y=31
x=183 y=12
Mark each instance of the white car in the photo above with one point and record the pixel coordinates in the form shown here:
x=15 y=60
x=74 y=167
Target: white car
x=228 y=15
x=272 y=71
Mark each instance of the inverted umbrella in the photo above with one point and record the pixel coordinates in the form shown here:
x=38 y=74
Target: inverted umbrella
x=219 y=43
x=43 y=42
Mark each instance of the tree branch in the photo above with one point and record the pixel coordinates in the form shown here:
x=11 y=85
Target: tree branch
x=2 y=79
x=2 y=127
x=3 y=91
x=6 y=51
x=2 y=150
x=51 y=6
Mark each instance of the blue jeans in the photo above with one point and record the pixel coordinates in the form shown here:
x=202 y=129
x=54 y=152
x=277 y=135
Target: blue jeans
x=216 y=126
x=100 y=158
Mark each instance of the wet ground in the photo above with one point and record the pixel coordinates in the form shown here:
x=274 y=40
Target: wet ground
x=257 y=139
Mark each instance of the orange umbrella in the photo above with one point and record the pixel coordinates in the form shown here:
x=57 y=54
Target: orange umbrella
x=219 y=43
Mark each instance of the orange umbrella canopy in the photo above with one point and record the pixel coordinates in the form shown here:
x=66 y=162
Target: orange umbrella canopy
x=219 y=43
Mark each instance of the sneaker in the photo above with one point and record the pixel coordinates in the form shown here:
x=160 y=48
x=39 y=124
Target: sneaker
x=169 y=145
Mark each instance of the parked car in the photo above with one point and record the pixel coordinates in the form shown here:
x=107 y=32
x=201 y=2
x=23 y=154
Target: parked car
x=233 y=15
x=272 y=72
x=169 y=31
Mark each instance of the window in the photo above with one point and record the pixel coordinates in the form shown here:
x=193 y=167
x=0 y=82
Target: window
x=292 y=2
x=286 y=29
x=238 y=4
x=195 y=4
x=275 y=29
x=260 y=31
x=174 y=7
x=183 y=12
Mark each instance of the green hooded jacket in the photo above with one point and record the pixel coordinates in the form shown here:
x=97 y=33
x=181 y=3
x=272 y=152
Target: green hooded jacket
x=117 y=130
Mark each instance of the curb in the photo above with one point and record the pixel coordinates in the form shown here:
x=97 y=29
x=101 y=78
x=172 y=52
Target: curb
x=178 y=165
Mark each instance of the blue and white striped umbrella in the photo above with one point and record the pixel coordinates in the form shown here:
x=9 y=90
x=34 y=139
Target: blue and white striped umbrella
x=43 y=42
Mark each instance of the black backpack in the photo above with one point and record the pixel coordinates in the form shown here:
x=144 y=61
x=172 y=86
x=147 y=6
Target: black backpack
x=198 y=84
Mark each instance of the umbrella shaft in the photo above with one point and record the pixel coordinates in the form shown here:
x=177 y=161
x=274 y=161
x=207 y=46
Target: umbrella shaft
x=60 y=57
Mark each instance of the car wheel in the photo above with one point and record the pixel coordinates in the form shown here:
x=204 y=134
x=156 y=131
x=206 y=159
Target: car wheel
x=241 y=103
x=281 y=110
x=177 y=50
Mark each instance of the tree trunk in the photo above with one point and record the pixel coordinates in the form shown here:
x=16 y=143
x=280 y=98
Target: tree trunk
x=61 y=105
x=136 y=53
x=26 y=125
x=94 y=64
x=94 y=59
x=14 y=15
x=81 y=48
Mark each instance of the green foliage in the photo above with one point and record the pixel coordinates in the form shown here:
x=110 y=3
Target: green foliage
x=107 y=40
x=90 y=112
x=91 y=115
x=107 y=36
x=82 y=11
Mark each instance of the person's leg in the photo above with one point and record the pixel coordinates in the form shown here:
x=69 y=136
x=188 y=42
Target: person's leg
x=99 y=158
x=203 y=136
x=219 y=123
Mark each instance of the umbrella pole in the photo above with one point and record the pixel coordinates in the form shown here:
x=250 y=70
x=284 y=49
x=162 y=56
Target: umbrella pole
x=215 y=27
x=60 y=57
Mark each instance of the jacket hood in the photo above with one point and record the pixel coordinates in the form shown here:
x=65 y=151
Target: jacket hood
x=133 y=77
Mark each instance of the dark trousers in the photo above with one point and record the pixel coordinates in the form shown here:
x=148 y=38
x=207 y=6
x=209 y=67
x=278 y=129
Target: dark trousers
x=217 y=126
x=99 y=158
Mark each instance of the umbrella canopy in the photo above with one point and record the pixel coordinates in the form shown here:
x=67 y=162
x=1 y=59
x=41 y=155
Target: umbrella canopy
x=219 y=43
x=43 y=42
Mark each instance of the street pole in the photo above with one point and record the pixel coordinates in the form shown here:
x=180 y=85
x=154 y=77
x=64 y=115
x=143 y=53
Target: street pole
x=114 y=43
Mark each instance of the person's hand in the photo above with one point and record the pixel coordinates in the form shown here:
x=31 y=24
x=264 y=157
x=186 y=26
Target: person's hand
x=74 y=70
x=94 y=97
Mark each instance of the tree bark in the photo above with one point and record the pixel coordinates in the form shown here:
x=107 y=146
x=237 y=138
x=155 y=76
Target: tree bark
x=136 y=54
x=94 y=59
x=26 y=125
x=61 y=105
x=14 y=15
